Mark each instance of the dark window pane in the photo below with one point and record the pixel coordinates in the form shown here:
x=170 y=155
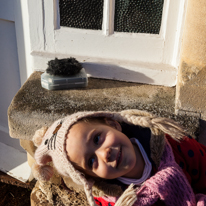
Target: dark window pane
x=84 y=14
x=138 y=16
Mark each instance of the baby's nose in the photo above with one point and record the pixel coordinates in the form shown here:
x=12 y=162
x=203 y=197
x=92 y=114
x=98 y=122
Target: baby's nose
x=107 y=154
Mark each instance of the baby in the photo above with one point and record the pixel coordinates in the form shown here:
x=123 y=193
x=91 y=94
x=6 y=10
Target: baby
x=111 y=150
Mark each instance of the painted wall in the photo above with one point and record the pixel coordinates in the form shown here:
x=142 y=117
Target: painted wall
x=9 y=77
x=14 y=59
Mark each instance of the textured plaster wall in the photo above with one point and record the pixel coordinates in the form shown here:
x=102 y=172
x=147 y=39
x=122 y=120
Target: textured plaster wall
x=191 y=86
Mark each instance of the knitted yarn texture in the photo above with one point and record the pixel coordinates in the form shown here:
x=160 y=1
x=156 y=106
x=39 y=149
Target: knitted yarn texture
x=168 y=184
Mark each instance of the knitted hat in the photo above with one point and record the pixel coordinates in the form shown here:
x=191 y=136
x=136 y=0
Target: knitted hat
x=52 y=147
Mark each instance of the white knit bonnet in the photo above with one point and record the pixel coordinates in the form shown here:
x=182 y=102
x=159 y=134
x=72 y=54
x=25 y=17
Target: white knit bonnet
x=51 y=145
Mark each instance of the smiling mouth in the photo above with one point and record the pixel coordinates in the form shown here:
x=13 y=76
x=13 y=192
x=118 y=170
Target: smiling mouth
x=119 y=157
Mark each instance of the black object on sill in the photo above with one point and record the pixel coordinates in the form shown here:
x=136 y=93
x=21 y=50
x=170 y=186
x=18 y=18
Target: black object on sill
x=64 y=74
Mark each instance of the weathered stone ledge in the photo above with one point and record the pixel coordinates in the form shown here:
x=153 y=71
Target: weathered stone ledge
x=34 y=106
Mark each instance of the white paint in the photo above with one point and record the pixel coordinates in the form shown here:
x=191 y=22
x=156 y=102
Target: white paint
x=14 y=163
x=94 y=44
x=7 y=140
x=49 y=25
x=149 y=73
x=12 y=31
x=4 y=129
x=108 y=17
x=7 y=10
x=156 y=74
x=36 y=26
x=23 y=38
x=160 y=50
x=9 y=72
x=56 y=14
x=173 y=26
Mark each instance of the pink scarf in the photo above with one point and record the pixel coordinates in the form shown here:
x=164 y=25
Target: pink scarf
x=169 y=184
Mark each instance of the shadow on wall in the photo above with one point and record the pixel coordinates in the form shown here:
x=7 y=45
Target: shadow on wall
x=110 y=71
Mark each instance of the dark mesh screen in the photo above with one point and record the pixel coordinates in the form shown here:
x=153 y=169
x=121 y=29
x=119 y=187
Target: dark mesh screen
x=84 y=14
x=138 y=16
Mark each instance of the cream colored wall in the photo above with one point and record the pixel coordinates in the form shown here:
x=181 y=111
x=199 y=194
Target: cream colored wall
x=191 y=85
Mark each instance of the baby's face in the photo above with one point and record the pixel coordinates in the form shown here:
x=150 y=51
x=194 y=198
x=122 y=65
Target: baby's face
x=101 y=150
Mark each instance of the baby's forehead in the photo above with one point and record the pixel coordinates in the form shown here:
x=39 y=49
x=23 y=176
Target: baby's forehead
x=81 y=129
x=98 y=119
x=89 y=121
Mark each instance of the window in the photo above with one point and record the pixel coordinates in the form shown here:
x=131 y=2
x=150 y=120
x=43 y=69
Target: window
x=137 y=16
x=146 y=51
x=81 y=14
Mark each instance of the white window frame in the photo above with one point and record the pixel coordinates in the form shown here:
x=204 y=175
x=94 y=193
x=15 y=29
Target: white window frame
x=135 y=57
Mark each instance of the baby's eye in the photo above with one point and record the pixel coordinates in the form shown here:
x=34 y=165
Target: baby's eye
x=96 y=139
x=91 y=162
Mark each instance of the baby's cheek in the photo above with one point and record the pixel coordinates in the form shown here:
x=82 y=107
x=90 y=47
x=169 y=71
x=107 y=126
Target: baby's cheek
x=103 y=171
